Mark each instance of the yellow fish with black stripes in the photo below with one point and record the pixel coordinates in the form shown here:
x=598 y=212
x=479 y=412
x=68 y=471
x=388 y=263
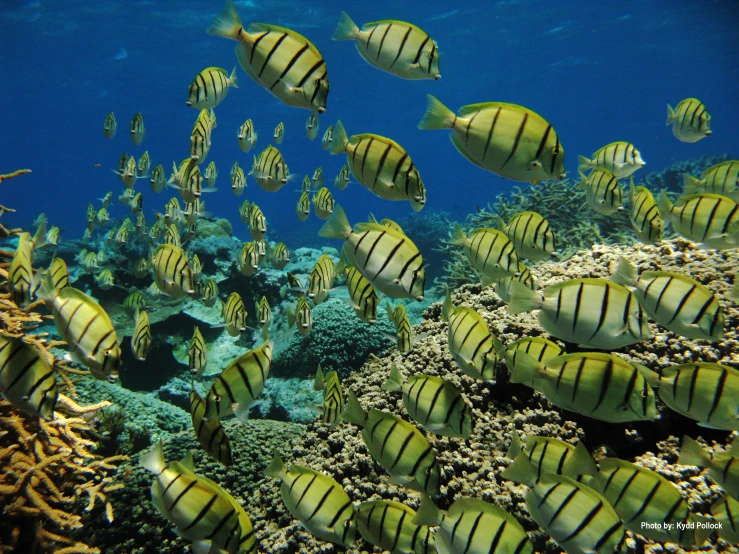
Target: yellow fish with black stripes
x=279 y=134
x=620 y=158
x=328 y=138
x=211 y=174
x=711 y=220
x=333 y=398
x=279 y=256
x=489 y=251
x=301 y=315
x=210 y=87
x=21 y=279
x=109 y=126
x=602 y=191
x=323 y=203
x=249 y=259
x=722 y=178
x=539 y=348
x=723 y=468
x=362 y=296
x=208 y=291
x=238 y=179
x=172 y=274
x=138 y=130
x=403 y=331
x=210 y=433
x=59 y=274
x=197 y=353
x=26 y=379
x=303 y=206
x=532 y=236
x=234 y=312
x=270 y=170
x=389 y=525
x=263 y=312
x=312 y=126
x=141 y=339
x=690 y=120
x=247 y=136
x=645 y=216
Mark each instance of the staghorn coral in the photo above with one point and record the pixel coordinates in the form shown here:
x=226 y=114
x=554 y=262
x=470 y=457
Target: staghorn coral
x=13 y=174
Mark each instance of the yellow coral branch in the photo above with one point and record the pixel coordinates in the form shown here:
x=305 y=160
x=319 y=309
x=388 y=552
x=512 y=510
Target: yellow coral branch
x=14 y=174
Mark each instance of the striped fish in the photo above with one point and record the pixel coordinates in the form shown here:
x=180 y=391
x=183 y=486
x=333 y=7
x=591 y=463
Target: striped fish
x=576 y=517
x=648 y=503
x=546 y=455
x=210 y=87
x=705 y=392
x=303 y=206
x=279 y=256
x=172 y=236
x=312 y=126
x=539 y=348
x=172 y=274
x=397 y=47
x=602 y=191
x=323 y=202
x=59 y=274
x=645 y=216
x=210 y=433
x=721 y=179
x=328 y=137
x=726 y=512
x=300 y=315
x=690 y=120
x=138 y=131
x=238 y=386
x=317 y=180
x=144 y=164
x=257 y=222
x=435 y=404
x=197 y=354
x=362 y=295
x=531 y=234
x=234 y=312
x=86 y=328
x=200 y=510
x=200 y=138
x=137 y=203
x=620 y=158
x=389 y=526
x=470 y=342
x=489 y=251
x=381 y=165
x=248 y=259
x=723 y=468
x=387 y=259
x=281 y=60
x=158 y=179
x=506 y=139
x=196 y=266
x=122 y=161
x=279 y=133
x=238 y=179
x=270 y=169
x=316 y=501
x=191 y=182
x=244 y=211
x=675 y=301
x=26 y=378
x=475 y=527
x=523 y=275
x=141 y=268
x=403 y=330
x=211 y=173
x=342 y=179
x=595 y=384
x=263 y=311
x=711 y=220
x=261 y=248
x=90 y=263
x=594 y=313
x=109 y=126
x=397 y=446
x=333 y=398
x=103 y=216
x=209 y=292
x=105 y=279
x=172 y=211
x=247 y=136
x=121 y=235
x=321 y=279
x=20 y=274
x=52 y=236
x=141 y=338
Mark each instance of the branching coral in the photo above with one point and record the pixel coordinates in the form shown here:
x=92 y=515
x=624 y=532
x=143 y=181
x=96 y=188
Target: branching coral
x=13 y=174
x=4 y=232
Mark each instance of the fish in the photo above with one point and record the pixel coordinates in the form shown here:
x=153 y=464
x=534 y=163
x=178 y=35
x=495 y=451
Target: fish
x=333 y=398
x=323 y=202
x=211 y=173
x=105 y=279
x=645 y=216
x=594 y=313
x=208 y=290
x=144 y=164
x=396 y=47
x=210 y=87
x=676 y=301
x=546 y=455
x=474 y=526
x=620 y=158
x=602 y=191
x=489 y=251
x=172 y=211
x=109 y=126
x=317 y=501
x=263 y=311
x=711 y=220
x=381 y=165
x=248 y=259
x=238 y=386
x=90 y=263
x=403 y=331
x=137 y=203
x=576 y=517
x=247 y=136
x=238 y=179
x=470 y=341
x=172 y=274
x=648 y=503
x=257 y=223
x=295 y=284
x=196 y=266
x=172 y=236
x=86 y=328
x=101 y=256
x=726 y=512
x=400 y=448
x=106 y=200
x=130 y=173
x=387 y=259
x=433 y=403
x=197 y=353
x=279 y=134
x=191 y=182
x=210 y=433
x=141 y=268
x=342 y=179
x=303 y=206
x=523 y=275
x=26 y=379
x=138 y=132
x=279 y=256
x=532 y=236
x=312 y=126
x=723 y=468
x=690 y=120
x=539 y=348
x=134 y=302
x=270 y=169
x=141 y=227
x=321 y=279
x=317 y=180
x=362 y=296
x=58 y=274
x=197 y=506
x=328 y=137
x=141 y=339
x=122 y=162
x=300 y=315
x=506 y=139
x=702 y=391
x=598 y=385
x=389 y=525
x=722 y=178
x=234 y=312
x=200 y=138
x=21 y=280
x=283 y=61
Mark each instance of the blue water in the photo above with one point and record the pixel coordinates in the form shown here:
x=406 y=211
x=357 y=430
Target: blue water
x=598 y=71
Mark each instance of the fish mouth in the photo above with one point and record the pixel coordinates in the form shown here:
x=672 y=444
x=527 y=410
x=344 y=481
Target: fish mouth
x=709 y=133
x=419 y=298
x=188 y=103
x=321 y=110
x=437 y=77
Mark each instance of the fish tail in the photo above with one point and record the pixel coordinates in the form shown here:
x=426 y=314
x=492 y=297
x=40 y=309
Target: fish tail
x=340 y=141
x=583 y=181
x=276 y=468
x=233 y=80
x=499 y=346
x=389 y=310
x=353 y=412
x=459 y=236
x=733 y=294
x=447 y=307
x=395 y=381
x=691 y=185
x=520 y=471
x=584 y=164
x=437 y=115
x=523 y=299
x=346 y=29
x=584 y=461
x=154 y=459
x=39 y=239
x=702 y=530
x=526 y=369
x=227 y=23
x=318 y=383
x=337 y=226
x=692 y=453
x=428 y=513
x=625 y=273
x=665 y=206
x=290 y=317
x=515 y=448
x=670 y=115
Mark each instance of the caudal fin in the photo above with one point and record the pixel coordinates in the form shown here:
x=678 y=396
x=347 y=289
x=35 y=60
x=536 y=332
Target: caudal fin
x=346 y=29
x=447 y=307
x=670 y=115
x=625 y=273
x=428 y=513
x=437 y=115
x=227 y=23
x=665 y=206
x=584 y=164
x=523 y=299
x=691 y=185
x=395 y=381
x=233 y=80
x=276 y=468
x=337 y=226
x=154 y=459
x=353 y=412
x=340 y=140
x=692 y=453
